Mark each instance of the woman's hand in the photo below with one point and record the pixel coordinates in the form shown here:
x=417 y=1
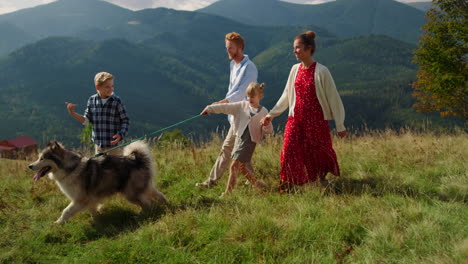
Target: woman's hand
x=266 y=120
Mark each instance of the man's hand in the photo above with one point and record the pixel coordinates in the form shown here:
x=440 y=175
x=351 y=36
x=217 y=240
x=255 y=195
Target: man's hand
x=117 y=138
x=224 y=101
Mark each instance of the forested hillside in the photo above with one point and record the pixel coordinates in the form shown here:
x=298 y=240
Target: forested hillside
x=160 y=88
x=169 y=64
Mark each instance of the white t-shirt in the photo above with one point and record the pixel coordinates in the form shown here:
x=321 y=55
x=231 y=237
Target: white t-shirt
x=104 y=101
x=234 y=73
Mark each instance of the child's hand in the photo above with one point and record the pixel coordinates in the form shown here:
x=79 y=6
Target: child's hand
x=205 y=112
x=70 y=107
x=117 y=138
x=342 y=134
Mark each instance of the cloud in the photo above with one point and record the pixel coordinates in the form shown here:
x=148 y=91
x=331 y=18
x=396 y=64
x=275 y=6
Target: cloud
x=4 y=10
x=7 y=6
x=175 y=4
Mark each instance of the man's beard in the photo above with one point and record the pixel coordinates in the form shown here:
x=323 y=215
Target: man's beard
x=234 y=56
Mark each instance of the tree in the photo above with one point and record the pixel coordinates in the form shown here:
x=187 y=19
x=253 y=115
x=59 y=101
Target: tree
x=174 y=136
x=442 y=56
x=86 y=135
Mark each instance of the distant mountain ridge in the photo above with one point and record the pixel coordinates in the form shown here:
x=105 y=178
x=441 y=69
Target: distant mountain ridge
x=99 y=19
x=83 y=19
x=344 y=18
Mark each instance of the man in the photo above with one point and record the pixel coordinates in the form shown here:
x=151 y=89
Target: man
x=243 y=72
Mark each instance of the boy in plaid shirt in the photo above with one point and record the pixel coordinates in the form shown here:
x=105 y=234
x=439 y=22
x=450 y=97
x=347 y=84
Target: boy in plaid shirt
x=106 y=112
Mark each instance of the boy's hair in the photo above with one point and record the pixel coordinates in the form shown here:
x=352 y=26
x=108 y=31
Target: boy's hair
x=254 y=89
x=236 y=38
x=102 y=77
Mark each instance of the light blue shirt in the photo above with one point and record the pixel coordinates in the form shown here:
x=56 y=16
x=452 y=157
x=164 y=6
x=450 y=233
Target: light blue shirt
x=240 y=78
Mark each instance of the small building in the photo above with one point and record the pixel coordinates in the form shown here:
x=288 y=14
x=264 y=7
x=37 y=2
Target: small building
x=18 y=148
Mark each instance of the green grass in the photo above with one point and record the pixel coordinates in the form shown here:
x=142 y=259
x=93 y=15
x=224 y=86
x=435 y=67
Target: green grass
x=400 y=199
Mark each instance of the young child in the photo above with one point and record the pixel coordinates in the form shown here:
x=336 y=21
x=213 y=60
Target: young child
x=106 y=112
x=248 y=131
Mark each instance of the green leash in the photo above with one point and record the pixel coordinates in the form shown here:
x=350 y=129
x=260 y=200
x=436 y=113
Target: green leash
x=160 y=130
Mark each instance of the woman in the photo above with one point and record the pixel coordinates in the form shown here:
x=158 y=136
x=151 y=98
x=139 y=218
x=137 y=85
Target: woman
x=312 y=98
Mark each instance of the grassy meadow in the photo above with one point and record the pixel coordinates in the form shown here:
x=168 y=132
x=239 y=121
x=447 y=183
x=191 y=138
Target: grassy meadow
x=401 y=198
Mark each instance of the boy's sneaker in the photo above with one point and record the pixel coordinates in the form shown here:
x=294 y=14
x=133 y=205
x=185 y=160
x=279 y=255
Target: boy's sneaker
x=206 y=184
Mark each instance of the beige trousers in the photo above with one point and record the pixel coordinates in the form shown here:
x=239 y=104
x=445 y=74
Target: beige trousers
x=115 y=152
x=224 y=159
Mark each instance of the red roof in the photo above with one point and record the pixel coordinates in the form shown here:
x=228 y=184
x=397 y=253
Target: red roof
x=18 y=142
x=6 y=148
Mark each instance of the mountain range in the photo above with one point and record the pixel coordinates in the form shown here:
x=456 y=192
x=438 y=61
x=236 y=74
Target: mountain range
x=345 y=18
x=169 y=64
x=95 y=19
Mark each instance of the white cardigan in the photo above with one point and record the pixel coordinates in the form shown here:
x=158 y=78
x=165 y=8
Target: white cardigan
x=327 y=95
x=242 y=119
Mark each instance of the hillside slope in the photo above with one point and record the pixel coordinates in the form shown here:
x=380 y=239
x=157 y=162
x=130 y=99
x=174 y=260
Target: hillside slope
x=36 y=80
x=13 y=37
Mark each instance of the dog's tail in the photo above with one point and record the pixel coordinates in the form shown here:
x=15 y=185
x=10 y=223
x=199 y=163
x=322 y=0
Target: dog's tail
x=142 y=153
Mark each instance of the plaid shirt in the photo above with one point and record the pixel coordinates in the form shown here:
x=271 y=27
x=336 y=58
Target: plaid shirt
x=107 y=120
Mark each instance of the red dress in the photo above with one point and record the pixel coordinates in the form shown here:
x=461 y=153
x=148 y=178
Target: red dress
x=307 y=153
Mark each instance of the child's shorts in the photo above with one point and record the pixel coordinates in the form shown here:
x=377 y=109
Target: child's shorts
x=244 y=148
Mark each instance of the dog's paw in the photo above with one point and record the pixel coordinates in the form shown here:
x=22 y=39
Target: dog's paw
x=59 y=221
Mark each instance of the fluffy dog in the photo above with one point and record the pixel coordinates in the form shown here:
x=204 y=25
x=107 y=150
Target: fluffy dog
x=87 y=181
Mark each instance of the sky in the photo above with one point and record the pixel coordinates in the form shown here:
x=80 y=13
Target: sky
x=7 y=6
